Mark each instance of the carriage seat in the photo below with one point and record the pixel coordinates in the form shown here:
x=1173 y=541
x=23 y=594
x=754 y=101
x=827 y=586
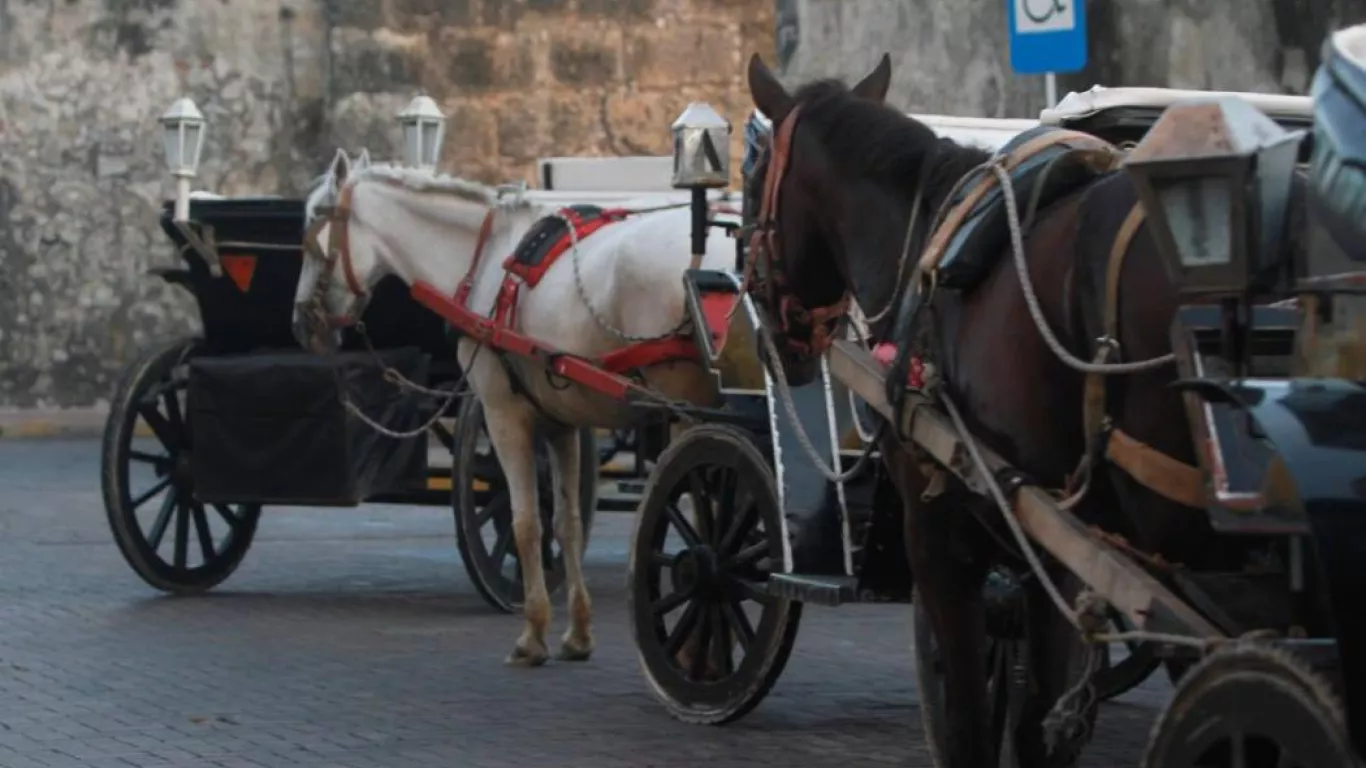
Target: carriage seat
x=549 y=237
x=1337 y=176
x=1044 y=161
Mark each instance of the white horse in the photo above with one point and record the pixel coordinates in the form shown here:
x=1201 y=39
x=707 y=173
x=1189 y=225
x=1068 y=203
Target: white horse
x=424 y=228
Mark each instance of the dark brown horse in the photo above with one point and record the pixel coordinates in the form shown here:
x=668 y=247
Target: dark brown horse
x=843 y=189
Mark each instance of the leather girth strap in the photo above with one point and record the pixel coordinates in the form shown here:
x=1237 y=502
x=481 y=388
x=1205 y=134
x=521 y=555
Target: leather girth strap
x=1154 y=470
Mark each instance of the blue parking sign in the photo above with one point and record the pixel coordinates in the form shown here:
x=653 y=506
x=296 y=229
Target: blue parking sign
x=1047 y=35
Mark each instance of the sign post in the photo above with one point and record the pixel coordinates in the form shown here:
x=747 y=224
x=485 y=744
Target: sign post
x=1047 y=37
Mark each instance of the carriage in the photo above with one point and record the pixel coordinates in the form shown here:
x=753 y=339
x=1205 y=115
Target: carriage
x=207 y=428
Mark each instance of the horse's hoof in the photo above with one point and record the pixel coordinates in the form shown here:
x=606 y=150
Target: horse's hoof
x=523 y=657
x=571 y=651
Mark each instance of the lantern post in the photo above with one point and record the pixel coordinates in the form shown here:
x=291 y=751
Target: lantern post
x=701 y=161
x=182 y=140
x=424 y=131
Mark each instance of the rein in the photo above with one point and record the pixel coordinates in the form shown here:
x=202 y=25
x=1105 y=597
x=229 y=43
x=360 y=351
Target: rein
x=338 y=249
x=821 y=322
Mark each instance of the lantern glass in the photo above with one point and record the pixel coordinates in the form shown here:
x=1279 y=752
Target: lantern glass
x=174 y=138
x=1199 y=213
x=412 y=143
x=183 y=140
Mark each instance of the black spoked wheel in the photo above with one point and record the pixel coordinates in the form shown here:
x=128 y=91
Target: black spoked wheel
x=174 y=542
x=1248 y=706
x=1006 y=659
x=483 y=510
x=711 y=640
x=1119 y=676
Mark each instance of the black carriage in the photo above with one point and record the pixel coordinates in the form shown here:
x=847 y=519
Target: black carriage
x=208 y=428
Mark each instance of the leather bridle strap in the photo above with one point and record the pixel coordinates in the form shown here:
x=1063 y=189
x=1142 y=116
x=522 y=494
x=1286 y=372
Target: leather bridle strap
x=467 y=283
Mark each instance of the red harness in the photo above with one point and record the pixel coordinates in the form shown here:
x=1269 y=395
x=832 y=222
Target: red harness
x=640 y=354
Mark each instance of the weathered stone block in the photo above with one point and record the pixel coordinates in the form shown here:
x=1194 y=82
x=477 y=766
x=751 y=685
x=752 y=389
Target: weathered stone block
x=502 y=13
x=424 y=15
x=638 y=122
x=519 y=128
x=364 y=14
x=471 y=137
x=547 y=6
x=366 y=64
x=582 y=62
x=514 y=63
x=688 y=53
x=469 y=62
x=619 y=9
x=575 y=125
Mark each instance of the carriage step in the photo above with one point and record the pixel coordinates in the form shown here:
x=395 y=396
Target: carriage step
x=821 y=590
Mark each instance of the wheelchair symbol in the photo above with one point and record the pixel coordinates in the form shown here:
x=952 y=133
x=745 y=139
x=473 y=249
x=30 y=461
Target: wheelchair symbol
x=1051 y=9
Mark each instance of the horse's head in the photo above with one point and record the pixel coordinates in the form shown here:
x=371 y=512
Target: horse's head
x=798 y=273
x=325 y=302
x=364 y=222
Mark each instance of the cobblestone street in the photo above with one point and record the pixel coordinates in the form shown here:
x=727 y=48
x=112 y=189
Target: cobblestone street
x=352 y=637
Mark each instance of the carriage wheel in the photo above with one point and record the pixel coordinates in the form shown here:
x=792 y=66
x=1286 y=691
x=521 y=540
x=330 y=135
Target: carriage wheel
x=1006 y=660
x=1116 y=679
x=711 y=640
x=174 y=542
x=483 y=510
x=1246 y=706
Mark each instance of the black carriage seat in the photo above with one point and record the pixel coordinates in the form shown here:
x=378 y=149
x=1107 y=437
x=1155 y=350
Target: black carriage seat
x=1337 y=174
x=549 y=237
x=975 y=233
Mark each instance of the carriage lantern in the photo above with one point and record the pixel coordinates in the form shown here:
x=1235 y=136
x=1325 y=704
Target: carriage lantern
x=701 y=148
x=424 y=129
x=1214 y=176
x=183 y=136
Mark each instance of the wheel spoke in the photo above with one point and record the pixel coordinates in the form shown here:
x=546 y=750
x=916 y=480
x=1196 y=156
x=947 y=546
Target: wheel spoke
x=748 y=556
x=228 y=515
x=156 y=488
x=173 y=414
x=201 y=527
x=500 y=549
x=722 y=641
x=703 y=512
x=483 y=516
x=667 y=603
x=1237 y=753
x=148 y=458
x=740 y=622
x=661 y=560
x=182 y=534
x=725 y=507
x=740 y=524
x=702 y=652
x=158 y=532
x=160 y=427
x=684 y=527
x=685 y=626
x=749 y=590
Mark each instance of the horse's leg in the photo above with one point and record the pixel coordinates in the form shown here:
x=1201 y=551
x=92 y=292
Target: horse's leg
x=949 y=588
x=577 y=643
x=511 y=426
x=1057 y=660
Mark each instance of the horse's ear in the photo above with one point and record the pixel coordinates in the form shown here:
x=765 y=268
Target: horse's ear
x=341 y=167
x=874 y=86
x=363 y=160
x=769 y=95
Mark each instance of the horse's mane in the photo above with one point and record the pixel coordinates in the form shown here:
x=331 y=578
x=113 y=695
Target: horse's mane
x=416 y=179
x=875 y=141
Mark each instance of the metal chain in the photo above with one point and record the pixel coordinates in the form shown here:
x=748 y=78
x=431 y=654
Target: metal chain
x=583 y=292
x=1032 y=300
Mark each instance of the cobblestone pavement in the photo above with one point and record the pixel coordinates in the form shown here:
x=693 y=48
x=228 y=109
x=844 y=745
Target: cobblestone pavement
x=352 y=637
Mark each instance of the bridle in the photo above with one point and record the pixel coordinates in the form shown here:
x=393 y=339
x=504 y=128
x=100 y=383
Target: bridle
x=314 y=309
x=770 y=285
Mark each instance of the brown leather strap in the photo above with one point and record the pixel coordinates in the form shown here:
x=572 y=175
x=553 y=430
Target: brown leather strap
x=939 y=243
x=1093 y=406
x=485 y=229
x=340 y=238
x=1156 y=471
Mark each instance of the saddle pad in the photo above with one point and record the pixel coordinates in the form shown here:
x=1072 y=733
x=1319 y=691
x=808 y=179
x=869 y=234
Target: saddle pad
x=549 y=237
x=984 y=234
x=1337 y=172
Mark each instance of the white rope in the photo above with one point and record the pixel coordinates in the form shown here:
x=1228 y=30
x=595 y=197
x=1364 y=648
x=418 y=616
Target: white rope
x=1032 y=300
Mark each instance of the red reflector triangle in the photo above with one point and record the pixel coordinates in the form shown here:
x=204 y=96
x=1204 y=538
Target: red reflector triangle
x=240 y=268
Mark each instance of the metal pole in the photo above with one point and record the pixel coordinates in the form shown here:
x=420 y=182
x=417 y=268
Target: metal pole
x=1050 y=90
x=182 y=198
x=699 y=225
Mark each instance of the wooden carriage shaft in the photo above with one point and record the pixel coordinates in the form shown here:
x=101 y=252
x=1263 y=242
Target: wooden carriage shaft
x=1133 y=591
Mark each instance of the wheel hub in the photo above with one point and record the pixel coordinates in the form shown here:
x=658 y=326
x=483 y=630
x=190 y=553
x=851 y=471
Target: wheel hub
x=696 y=571
x=181 y=474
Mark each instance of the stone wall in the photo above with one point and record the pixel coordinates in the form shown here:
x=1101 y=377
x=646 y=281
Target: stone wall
x=283 y=82
x=951 y=56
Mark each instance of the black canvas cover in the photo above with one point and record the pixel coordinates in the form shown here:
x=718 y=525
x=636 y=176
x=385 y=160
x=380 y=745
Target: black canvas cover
x=272 y=429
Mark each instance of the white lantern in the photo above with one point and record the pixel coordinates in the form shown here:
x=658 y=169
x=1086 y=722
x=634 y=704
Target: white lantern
x=424 y=129
x=183 y=138
x=701 y=148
